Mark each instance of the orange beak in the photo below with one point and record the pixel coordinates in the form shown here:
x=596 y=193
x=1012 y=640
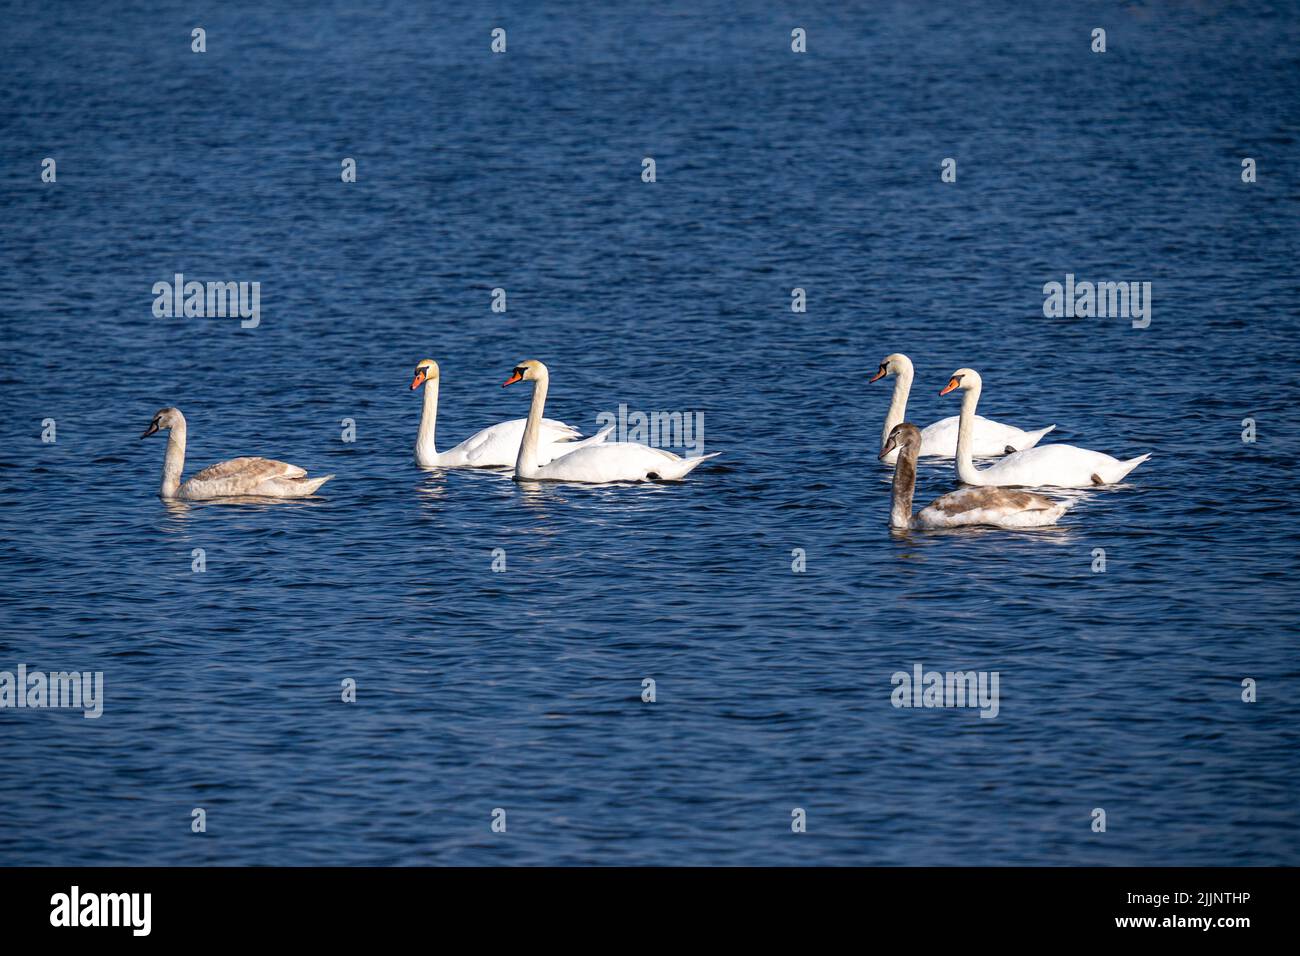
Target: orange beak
x=514 y=377
x=877 y=377
x=952 y=383
x=419 y=380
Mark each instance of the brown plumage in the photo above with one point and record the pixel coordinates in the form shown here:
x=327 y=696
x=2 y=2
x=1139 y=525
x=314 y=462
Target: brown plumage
x=258 y=469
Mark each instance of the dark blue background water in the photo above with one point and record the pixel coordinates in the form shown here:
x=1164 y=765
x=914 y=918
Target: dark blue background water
x=521 y=689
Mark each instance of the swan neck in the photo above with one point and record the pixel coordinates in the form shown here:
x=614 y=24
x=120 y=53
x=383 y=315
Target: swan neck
x=900 y=516
x=174 y=463
x=966 y=436
x=526 y=465
x=424 y=441
x=897 y=404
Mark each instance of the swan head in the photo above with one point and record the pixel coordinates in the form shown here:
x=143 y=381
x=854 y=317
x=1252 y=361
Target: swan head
x=964 y=378
x=425 y=370
x=894 y=364
x=906 y=437
x=529 y=370
x=164 y=418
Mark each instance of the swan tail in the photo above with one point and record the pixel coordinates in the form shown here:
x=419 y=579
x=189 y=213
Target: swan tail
x=595 y=439
x=1033 y=438
x=561 y=429
x=308 y=486
x=683 y=466
x=1127 y=466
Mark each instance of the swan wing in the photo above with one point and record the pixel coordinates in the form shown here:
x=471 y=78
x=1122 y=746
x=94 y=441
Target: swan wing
x=497 y=446
x=990 y=439
x=256 y=468
x=494 y=446
x=998 y=507
x=241 y=476
x=618 y=461
x=558 y=431
x=1064 y=466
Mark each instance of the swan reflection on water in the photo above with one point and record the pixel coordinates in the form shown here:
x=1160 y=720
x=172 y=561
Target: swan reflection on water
x=182 y=510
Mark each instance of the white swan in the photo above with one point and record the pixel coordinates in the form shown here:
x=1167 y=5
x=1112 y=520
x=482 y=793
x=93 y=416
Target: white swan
x=610 y=461
x=496 y=446
x=263 y=477
x=1064 y=466
x=991 y=439
x=963 y=508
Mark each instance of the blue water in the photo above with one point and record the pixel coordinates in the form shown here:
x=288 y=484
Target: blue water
x=522 y=690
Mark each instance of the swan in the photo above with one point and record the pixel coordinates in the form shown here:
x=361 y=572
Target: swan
x=608 y=461
x=496 y=446
x=992 y=439
x=962 y=508
x=263 y=477
x=1064 y=466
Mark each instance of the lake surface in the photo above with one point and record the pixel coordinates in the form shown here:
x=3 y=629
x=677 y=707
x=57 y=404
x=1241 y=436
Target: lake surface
x=521 y=690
